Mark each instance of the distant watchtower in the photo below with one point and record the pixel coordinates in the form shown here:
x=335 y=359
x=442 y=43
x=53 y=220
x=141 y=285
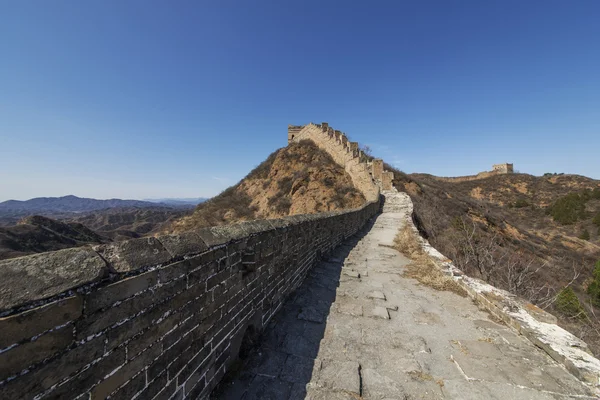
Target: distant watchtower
x=503 y=168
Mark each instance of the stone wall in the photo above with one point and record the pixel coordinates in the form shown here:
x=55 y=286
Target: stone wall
x=162 y=316
x=497 y=169
x=368 y=177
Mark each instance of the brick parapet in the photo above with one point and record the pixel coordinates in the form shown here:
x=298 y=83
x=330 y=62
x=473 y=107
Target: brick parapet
x=153 y=316
x=366 y=176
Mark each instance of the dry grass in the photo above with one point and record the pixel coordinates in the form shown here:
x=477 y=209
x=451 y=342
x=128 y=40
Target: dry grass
x=423 y=268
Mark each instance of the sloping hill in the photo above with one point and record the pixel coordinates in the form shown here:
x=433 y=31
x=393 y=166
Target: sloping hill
x=38 y=234
x=131 y=222
x=533 y=236
x=297 y=179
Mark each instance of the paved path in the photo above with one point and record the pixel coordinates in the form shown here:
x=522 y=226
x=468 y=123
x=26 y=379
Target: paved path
x=357 y=329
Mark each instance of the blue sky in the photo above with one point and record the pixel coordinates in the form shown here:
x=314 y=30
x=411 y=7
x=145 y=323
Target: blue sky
x=139 y=99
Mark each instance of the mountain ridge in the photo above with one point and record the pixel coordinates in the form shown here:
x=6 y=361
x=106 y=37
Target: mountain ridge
x=71 y=203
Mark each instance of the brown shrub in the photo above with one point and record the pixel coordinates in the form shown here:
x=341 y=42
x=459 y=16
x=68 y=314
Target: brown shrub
x=423 y=268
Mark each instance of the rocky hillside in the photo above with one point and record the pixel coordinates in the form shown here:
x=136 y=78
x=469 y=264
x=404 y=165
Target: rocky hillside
x=127 y=223
x=297 y=179
x=36 y=234
x=537 y=237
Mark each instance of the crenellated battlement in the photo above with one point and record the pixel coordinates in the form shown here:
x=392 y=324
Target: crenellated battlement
x=368 y=176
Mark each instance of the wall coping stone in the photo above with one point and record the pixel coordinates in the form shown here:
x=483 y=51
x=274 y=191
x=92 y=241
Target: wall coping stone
x=39 y=276
x=134 y=254
x=182 y=244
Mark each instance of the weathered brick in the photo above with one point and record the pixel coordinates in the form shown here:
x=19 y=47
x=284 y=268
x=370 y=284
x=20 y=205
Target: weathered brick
x=126 y=372
x=168 y=391
x=185 y=357
x=168 y=356
x=202 y=272
x=35 y=321
x=223 y=332
x=196 y=390
x=194 y=363
x=121 y=333
x=174 y=271
x=18 y=358
x=129 y=390
x=216 y=279
x=151 y=335
x=195 y=293
x=45 y=376
x=120 y=290
x=83 y=382
x=128 y=308
x=154 y=387
x=220 y=253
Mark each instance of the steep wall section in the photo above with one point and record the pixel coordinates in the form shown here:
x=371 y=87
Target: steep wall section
x=159 y=316
x=368 y=177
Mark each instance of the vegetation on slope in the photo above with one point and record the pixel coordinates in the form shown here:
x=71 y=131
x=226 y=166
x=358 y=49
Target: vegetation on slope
x=36 y=234
x=422 y=268
x=297 y=179
x=520 y=233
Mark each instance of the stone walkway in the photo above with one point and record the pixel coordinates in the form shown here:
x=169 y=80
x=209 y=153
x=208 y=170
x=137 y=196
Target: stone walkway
x=357 y=329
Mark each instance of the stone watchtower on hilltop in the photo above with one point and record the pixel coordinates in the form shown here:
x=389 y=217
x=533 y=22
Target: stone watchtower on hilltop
x=503 y=168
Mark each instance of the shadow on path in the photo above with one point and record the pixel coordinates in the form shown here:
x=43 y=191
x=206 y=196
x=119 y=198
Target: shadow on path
x=281 y=364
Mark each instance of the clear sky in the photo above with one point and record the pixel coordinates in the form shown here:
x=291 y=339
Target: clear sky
x=139 y=99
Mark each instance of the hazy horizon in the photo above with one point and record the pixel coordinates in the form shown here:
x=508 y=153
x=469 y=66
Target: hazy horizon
x=150 y=100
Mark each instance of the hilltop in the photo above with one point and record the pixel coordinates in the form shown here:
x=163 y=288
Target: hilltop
x=297 y=179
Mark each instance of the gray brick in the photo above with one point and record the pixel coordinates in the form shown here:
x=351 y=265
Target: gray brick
x=25 y=325
x=18 y=358
x=121 y=290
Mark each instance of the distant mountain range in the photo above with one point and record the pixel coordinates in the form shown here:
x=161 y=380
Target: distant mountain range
x=53 y=223
x=179 y=201
x=80 y=204
x=69 y=204
x=69 y=207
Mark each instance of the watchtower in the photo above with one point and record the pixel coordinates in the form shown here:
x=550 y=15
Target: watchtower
x=503 y=168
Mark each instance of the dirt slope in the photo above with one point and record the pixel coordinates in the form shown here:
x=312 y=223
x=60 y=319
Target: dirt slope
x=297 y=179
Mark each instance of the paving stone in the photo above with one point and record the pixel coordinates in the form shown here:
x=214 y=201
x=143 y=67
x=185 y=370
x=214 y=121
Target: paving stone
x=300 y=346
x=340 y=376
x=352 y=273
x=350 y=309
x=297 y=369
x=376 y=294
x=379 y=312
x=325 y=394
x=266 y=388
x=376 y=385
x=311 y=314
x=298 y=391
x=267 y=362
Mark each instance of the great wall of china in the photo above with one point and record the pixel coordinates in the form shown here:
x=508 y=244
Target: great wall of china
x=166 y=317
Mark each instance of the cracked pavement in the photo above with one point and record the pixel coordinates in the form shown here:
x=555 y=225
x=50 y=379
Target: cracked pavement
x=357 y=329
